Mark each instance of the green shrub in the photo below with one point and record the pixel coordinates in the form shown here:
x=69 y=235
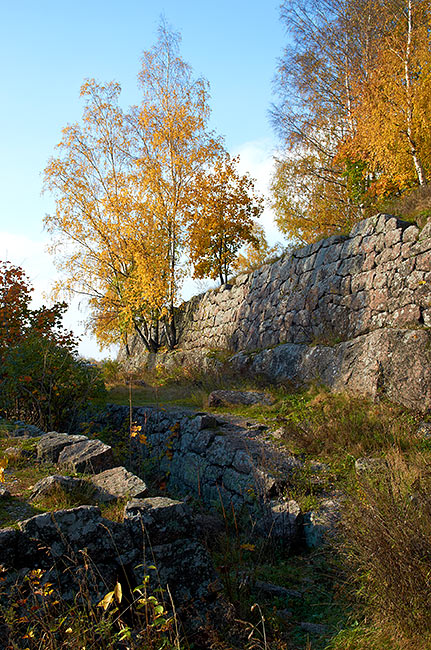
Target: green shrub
x=111 y=371
x=42 y=380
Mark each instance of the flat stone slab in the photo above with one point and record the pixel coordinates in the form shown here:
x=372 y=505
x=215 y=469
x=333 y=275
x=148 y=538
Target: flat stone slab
x=247 y=398
x=117 y=483
x=87 y=456
x=52 y=444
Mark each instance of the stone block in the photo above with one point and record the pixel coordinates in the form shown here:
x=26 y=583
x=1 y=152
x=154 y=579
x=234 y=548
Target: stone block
x=364 y=227
x=351 y=265
x=423 y=262
x=369 y=261
x=351 y=247
x=117 y=483
x=87 y=456
x=158 y=520
x=410 y=234
x=367 y=246
x=393 y=237
x=408 y=315
x=333 y=239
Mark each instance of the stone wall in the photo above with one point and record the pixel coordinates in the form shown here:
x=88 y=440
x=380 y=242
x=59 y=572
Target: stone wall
x=337 y=289
x=373 y=283
x=215 y=459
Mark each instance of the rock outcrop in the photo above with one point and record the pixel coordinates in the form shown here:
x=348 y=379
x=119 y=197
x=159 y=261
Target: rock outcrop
x=387 y=362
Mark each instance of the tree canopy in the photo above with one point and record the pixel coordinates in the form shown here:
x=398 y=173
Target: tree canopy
x=354 y=95
x=134 y=196
x=224 y=221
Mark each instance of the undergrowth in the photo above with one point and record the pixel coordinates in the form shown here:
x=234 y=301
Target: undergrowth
x=386 y=545
x=34 y=615
x=322 y=424
x=370 y=593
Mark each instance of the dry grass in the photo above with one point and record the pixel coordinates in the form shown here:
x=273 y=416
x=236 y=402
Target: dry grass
x=414 y=206
x=387 y=548
x=328 y=425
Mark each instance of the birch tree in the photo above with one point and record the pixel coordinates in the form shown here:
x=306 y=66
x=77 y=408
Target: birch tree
x=354 y=99
x=123 y=184
x=394 y=101
x=224 y=219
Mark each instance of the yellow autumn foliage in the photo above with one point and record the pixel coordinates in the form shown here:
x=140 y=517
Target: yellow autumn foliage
x=135 y=194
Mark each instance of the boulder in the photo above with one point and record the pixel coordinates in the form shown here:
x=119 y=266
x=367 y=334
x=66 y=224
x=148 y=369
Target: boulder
x=51 y=484
x=117 y=483
x=52 y=444
x=87 y=456
x=392 y=362
x=246 y=398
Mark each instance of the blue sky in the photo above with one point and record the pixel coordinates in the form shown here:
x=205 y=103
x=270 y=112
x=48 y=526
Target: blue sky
x=48 y=48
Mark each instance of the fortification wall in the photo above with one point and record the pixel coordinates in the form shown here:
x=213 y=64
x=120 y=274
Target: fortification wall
x=337 y=289
x=351 y=311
